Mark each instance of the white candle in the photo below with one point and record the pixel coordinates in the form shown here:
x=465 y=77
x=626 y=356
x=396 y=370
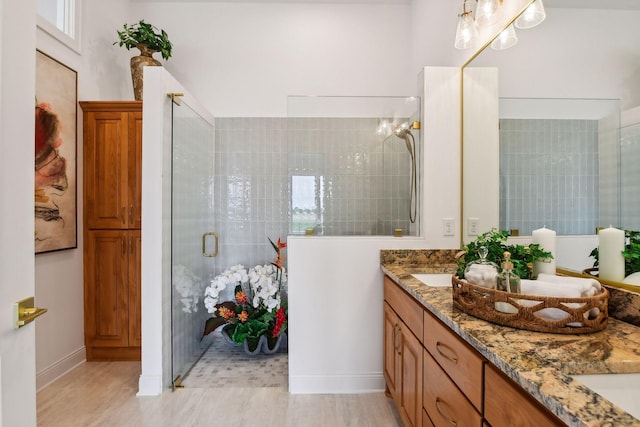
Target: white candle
x=547 y=240
x=610 y=247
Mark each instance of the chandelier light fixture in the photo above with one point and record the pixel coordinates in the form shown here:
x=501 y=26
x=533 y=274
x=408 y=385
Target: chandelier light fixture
x=487 y=13
x=467 y=29
x=532 y=16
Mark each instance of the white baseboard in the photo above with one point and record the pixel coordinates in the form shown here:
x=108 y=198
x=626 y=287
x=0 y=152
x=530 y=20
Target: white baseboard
x=336 y=384
x=149 y=385
x=60 y=368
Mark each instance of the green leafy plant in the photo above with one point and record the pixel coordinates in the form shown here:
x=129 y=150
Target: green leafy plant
x=259 y=308
x=495 y=241
x=631 y=253
x=146 y=34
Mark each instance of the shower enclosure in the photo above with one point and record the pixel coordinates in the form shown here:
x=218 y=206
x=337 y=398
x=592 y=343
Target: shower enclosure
x=193 y=241
x=352 y=165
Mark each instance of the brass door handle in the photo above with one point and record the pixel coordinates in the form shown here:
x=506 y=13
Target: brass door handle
x=24 y=312
x=204 y=244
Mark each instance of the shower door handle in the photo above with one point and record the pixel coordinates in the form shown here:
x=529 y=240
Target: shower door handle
x=204 y=244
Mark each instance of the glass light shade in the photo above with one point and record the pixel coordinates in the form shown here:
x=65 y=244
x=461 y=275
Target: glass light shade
x=532 y=16
x=505 y=39
x=466 y=31
x=487 y=12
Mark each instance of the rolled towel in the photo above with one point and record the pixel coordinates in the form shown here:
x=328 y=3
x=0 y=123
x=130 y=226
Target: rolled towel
x=550 y=289
x=588 y=287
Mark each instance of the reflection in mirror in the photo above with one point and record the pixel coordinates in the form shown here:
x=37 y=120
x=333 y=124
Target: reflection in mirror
x=579 y=52
x=559 y=164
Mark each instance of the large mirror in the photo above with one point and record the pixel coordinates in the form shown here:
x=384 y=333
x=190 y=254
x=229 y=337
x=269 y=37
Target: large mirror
x=586 y=53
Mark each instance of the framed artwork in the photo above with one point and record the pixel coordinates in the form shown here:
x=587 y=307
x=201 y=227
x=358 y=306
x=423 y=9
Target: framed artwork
x=55 y=155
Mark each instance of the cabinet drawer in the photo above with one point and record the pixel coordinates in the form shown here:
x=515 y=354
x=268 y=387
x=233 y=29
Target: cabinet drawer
x=507 y=404
x=445 y=404
x=462 y=363
x=409 y=310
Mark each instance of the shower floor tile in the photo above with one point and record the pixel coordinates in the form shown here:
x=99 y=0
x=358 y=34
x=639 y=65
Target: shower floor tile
x=227 y=365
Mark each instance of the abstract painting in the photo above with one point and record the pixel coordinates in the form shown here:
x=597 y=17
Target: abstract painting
x=55 y=155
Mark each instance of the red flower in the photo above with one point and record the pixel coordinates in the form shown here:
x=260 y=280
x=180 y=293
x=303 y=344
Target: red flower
x=281 y=317
x=281 y=245
x=225 y=313
x=244 y=316
x=241 y=297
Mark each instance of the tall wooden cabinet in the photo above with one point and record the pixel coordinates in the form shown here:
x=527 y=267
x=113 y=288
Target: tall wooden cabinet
x=112 y=206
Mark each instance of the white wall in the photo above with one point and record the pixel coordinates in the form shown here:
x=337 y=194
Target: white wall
x=243 y=59
x=335 y=312
x=574 y=53
x=103 y=73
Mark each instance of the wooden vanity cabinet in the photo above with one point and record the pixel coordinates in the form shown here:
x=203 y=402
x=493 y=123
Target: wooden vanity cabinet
x=443 y=401
x=507 y=404
x=112 y=159
x=450 y=383
x=403 y=353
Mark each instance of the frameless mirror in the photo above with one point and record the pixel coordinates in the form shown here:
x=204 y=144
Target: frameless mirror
x=577 y=54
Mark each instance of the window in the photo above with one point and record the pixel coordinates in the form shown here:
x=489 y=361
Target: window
x=61 y=19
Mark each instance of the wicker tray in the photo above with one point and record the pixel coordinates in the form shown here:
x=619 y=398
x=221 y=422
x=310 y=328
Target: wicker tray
x=481 y=302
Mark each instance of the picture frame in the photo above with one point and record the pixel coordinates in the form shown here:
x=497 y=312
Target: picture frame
x=55 y=145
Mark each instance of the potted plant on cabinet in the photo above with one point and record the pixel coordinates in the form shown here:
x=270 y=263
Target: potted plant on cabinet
x=149 y=40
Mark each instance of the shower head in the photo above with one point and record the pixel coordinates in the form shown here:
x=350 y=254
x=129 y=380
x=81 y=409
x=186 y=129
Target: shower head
x=402 y=130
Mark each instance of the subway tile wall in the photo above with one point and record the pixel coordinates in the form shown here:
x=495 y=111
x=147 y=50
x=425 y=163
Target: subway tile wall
x=630 y=176
x=549 y=175
x=341 y=178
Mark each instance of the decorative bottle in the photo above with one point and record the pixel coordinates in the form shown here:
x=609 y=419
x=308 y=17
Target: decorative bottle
x=507 y=280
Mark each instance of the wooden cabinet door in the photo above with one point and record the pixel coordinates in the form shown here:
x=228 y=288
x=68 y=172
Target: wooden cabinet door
x=506 y=404
x=410 y=394
x=106 y=169
x=106 y=289
x=135 y=302
x=392 y=339
x=134 y=188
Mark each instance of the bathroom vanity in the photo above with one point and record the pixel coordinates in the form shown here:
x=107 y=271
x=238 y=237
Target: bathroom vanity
x=444 y=367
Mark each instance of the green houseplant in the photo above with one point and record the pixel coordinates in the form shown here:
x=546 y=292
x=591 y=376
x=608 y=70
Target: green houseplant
x=147 y=35
x=495 y=241
x=148 y=39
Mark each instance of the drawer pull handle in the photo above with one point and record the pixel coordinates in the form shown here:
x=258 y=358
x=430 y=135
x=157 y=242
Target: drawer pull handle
x=397 y=337
x=438 y=401
x=453 y=358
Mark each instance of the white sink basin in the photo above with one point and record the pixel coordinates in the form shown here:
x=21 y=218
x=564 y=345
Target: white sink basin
x=434 y=279
x=620 y=389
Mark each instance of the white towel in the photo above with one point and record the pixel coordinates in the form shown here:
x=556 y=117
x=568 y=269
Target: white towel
x=587 y=287
x=550 y=289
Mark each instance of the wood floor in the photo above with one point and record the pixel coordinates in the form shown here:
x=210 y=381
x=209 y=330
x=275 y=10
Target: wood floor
x=103 y=394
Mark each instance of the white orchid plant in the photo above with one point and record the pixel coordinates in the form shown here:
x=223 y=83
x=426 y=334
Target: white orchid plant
x=259 y=305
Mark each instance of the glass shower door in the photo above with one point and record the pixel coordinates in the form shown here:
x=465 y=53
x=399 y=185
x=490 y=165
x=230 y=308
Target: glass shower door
x=193 y=241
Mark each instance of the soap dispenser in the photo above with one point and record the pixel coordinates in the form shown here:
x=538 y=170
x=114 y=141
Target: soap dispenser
x=507 y=280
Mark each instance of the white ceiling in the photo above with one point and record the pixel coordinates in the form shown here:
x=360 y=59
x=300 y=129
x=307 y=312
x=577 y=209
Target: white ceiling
x=572 y=4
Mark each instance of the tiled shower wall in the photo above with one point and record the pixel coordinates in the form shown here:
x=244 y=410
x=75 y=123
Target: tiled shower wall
x=630 y=176
x=549 y=175
x=358 y=183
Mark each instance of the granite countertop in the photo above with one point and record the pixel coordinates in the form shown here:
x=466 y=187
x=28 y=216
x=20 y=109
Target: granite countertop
x=541 y=363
